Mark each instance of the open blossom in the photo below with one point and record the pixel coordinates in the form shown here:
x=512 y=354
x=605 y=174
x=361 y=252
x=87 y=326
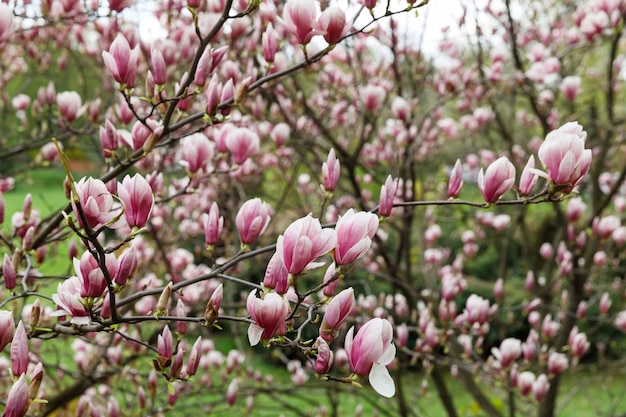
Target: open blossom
x=563 y=153
x=252 y=220
x=369 y=353
x=136 y=194
x=197 y=151
x=303 y=242
x=300 y=19
x=497 y=180
x=510 y=349
x=95 y=200
x=69 y=103
x=69 y=301
x=355 y=232
x=242 y=143
x=91 y=276
x=269 y=313
x=332 y=22
x=121 y=61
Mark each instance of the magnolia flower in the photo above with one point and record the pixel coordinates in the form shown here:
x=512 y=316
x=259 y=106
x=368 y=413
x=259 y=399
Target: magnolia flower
x=121 y=61
x=355 y=232
x=497 y=180
x=369 y=353
x=303 y=242
x=136 y=194
x=563 y=153
x=69 y=302
x=300 y=19
x=269 y=313
x=252 y=220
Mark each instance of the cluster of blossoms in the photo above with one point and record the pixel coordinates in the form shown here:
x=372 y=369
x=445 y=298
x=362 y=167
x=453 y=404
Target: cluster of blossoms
x=562 y=153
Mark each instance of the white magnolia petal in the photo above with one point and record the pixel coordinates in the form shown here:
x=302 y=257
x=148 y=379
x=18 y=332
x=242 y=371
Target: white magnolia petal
x=381 y=381
x=254 y=334
x=388 y=355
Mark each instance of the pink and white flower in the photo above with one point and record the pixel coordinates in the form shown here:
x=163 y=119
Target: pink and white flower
x=369 y=353
x=303 y=242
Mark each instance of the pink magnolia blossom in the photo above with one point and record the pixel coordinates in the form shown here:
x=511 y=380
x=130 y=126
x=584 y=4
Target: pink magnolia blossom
x=557 y=363
x=242 y=143
x=9 y=273
x=563 y=153
x=17 y=399
x=157 y=63
x=570 y=87
x=525 y=382
x=231 y=391
x=476 y=309
x=401 y=108
x=369 y=353
x=69 y=302
x=355 y=232
x=269 y=313
x=540 y=387
x=372 y=97
x=6 y=22
x=270 y=43
x=165 y=347
x=336 y=313
x=252 y=219
x=109 y=139
x=69 y=103
x=194 y=357
x=497 y=180
x=91 y=276
x=213 y=225
x=19 y=351
x=127 y=264
x=324 y=359
x=330 y=171
x=121 y=61
x=197 y=151
x=276 y=274
x=510 y=349
x=387 y=195
x=529 y=178
x=332 y=22
x=303 y=242
x=578 y=343
x=212 y=310
x=136 y=195
x=95 y=200
x=456 y=180
x=300 y=19
x=330 y=287
x=620 y=321
x=7 y=328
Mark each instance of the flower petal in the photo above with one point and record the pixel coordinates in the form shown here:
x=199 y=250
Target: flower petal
x=381 y=381
x=388 y=355
x=254 y=334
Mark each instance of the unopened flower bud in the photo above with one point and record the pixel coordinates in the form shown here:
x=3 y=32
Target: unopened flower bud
x=164 y=299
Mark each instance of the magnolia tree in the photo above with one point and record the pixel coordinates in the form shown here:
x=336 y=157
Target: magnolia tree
x=298 y=186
